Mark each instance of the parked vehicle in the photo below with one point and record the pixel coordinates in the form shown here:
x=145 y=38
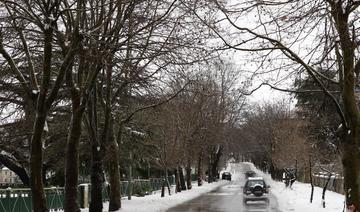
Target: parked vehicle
x=226 y=176
x=250 y=174
x=255 y=189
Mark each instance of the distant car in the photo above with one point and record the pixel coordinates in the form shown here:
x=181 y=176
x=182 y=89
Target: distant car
x=250 y=174
x=226 y=176
x=256 y=190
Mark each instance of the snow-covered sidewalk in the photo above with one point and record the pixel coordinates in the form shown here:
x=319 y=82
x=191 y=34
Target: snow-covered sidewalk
x=155 y=203
x=297 y=199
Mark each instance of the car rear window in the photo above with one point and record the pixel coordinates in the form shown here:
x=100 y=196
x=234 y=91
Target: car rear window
x=252 y=183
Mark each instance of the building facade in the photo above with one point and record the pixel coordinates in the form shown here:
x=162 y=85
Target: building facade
x=8 y=177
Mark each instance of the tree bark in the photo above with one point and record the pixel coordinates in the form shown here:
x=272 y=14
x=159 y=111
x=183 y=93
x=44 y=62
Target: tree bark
x=215 y=161
x=311 y=180
x=114 y=172
x=177 y=180
x=36 y=152
x=209 y=170
x=163 y=188
x=351 y=162
x=200 y=168
x=36 y=180
x=130 y=176
x=351 y=137
x=182 y=178
x=72 y=160
x=188 y=175
x=96 y=204
x=167 y=181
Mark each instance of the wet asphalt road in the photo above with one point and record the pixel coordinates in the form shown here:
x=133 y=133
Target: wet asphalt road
x=227 y=198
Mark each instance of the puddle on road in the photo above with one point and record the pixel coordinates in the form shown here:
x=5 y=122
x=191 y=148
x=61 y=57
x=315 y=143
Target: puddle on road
x=221 y=194
x=232 y=186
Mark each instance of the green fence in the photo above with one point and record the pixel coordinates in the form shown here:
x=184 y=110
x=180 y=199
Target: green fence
x=19 y=200
x=141 y=187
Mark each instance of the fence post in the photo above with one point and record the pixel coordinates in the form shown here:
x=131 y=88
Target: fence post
x=84 y=195
x=8 y=199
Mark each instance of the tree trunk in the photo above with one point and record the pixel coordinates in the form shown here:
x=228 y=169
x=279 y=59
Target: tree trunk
x=215 y=161
x=36 y=152
x=177 y=180
x=188 y=175
x=210 y=177
x=200 y=168
x=182 y=178
x=163 y=188
x=130 y=186
x=351 y=124
x=72 y=160
x=167 y=181
x=96 y=204
x=311 y=180
x=351 y=164
x=324 y=190
x=37 y=186
x=115 y=186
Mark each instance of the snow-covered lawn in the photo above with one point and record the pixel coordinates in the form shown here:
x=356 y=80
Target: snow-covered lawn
x=297 y=199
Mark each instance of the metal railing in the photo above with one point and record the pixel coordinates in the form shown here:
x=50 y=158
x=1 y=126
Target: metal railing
x=336 y=183
x=19 y=200
x=141 y=186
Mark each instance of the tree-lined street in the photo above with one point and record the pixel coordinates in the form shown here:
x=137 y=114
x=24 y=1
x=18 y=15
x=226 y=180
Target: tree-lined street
x=227 y=198
x=128 y=97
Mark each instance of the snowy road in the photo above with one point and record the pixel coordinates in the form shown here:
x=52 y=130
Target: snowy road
x=227 y=198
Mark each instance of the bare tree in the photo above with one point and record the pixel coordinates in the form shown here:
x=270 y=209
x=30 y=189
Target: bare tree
x=329 y=25
x=42 y=94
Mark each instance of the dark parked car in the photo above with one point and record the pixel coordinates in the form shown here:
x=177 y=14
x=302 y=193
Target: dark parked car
x=255 y=189
x=250 y=174
x=226 y=176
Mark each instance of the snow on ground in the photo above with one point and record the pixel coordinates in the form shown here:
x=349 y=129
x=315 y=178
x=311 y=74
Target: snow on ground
x=155 y=203
x=297 y=199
